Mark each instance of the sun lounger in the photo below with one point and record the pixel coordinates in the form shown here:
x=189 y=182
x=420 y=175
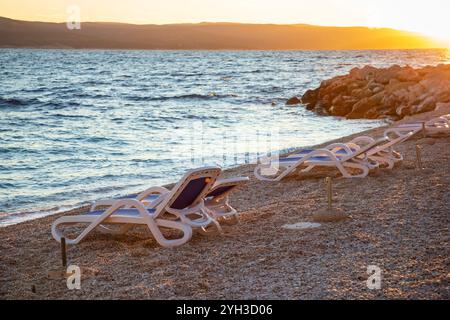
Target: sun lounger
x=332 y=156
x=216 y=201
x=183 y=201
x=433 y=126
x=385 y=153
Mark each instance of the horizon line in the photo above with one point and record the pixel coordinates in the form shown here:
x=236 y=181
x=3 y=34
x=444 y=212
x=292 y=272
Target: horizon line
x=227 y=22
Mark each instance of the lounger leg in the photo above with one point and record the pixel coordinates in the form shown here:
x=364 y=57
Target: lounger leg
x=213 y=228
x=278 y=178
x=187 y=232
x=346 y=174
x=152 y=223
x=222 y=211
x=384 y=160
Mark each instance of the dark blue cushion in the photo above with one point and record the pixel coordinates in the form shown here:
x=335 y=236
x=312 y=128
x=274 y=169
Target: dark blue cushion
x=189 y=194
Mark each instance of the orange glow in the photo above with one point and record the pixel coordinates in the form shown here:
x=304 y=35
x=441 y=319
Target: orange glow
x=428 y=17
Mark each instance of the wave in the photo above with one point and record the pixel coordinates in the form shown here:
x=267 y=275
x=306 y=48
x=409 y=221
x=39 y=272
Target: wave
x=193 y=96
x=13 y=102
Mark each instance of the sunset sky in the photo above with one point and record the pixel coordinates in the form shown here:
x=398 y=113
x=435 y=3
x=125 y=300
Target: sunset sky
x=429 y=17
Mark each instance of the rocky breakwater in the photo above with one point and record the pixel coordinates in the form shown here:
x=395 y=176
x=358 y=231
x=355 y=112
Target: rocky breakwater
x=372 y=93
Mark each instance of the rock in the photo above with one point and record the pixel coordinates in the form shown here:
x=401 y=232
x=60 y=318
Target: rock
x=321 y=109
x=403 y=111
x=369 y=92
x=341 y=110
x=366 y=73
x=429 y=104
x=386 y=75
x=408 y=74
x=377 y=98
x=310 y=96
x=377 y=89
x=360 y=108
x=293 y=101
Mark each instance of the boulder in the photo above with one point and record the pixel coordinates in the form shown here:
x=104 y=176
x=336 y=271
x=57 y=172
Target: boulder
x=403 y=111
x=360 y=108
x=293 y=101
x=408 y=74
x=342 y=106
x=310 y=96
x=429 y=104
x=386 y=75
x=366 y=73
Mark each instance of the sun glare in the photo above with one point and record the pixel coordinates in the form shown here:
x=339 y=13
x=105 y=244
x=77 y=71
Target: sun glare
x=430 y=19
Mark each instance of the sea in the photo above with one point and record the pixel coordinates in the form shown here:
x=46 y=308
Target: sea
x=81 y=125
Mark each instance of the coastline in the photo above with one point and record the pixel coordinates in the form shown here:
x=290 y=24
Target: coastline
x=398 y=220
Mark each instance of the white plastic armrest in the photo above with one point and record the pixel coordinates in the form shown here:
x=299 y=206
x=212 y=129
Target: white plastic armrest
x=363 y=139
x=153 y=190
x=321 y=152
x=103 y=203
x=339 y=146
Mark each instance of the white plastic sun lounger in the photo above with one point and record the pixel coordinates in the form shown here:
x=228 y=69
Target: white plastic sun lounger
x=433 y=126
x=185 y=199
x=384 y=153
x=350 y=159
x=216 y=202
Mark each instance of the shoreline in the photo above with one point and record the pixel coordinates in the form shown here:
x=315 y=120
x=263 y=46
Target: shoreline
x=398 y=220
x=79 y=208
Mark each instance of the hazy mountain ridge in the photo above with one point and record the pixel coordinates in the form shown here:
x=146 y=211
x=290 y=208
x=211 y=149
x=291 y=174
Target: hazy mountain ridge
x=205 y=35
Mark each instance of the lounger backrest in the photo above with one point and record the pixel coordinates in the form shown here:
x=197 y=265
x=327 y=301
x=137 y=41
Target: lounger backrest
x=392 y=143
x=224 y=187
x=220 y=191
x=364 y=149
x=192 y=188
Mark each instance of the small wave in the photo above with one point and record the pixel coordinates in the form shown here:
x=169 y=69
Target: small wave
x=12 y=102
x=76 y=116
x=7 y=185
x=194 y=96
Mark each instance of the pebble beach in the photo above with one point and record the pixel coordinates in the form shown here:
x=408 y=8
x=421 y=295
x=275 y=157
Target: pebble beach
x=397 y=220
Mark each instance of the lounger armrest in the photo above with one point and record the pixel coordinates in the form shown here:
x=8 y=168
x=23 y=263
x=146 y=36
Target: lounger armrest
x=153 y=190
x=320 y=152
x=339 y=146
x=362 y=140
x=399 y=132
x=103 y=203
x=240 y=180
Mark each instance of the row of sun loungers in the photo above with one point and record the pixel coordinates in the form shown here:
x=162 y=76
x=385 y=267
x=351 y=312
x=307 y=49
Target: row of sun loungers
x=199 y=201
x=360 y=155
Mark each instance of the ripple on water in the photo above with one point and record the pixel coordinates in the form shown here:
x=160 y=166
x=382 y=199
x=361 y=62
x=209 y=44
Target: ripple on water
x=83 y=125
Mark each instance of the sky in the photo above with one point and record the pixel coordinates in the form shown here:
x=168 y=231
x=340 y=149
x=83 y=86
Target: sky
x=430 y=17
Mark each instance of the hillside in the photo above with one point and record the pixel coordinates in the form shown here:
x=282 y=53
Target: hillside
x=15 y=33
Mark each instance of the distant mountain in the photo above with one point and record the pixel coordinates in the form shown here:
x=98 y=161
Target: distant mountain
x=15 y=33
